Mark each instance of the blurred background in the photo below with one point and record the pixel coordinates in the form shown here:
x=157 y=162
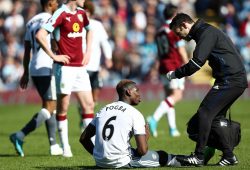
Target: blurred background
x=131 y=26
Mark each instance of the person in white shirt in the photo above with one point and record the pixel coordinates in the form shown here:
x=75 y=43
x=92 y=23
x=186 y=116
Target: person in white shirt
x=39 y=67
x=100 y=46
x=113 y=127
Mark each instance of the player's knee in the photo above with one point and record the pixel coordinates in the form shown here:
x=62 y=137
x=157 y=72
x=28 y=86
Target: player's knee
x=89 y=106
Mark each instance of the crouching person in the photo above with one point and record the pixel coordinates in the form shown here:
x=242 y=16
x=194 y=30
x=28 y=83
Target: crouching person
x=114 y=126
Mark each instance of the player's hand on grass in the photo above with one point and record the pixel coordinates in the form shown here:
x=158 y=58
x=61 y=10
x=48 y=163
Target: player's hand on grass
x=170 y=75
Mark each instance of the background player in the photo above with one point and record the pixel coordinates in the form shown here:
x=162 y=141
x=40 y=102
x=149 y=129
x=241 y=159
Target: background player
x=71 y=75
x=100 y=45
x=172 y=54
x=40 y=70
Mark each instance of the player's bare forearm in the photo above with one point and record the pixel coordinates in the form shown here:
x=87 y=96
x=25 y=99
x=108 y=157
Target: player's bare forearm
x=41 y=38
x=85 y=138
x=147 y=131
x=26 y=59
x=141 y=143
x=89 y=39
x=25 y=77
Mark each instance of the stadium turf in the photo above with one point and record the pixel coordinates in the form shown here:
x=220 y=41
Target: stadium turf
x=36 y=147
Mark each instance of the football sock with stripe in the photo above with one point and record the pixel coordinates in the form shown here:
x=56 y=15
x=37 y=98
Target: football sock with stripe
x=87 y=118
x=62 y=123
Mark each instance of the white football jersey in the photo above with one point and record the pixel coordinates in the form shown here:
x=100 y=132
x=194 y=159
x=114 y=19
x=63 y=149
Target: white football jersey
x=99 y=43
x=115 y=124
x=41 y=63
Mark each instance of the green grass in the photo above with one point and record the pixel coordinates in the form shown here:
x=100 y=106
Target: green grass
x=36 y=147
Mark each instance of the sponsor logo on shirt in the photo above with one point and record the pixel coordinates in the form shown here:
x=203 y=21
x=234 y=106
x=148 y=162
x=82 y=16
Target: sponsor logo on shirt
x=76 y=27
x=76 y=33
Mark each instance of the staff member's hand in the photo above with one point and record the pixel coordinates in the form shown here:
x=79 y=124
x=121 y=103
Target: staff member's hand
x=170 y=75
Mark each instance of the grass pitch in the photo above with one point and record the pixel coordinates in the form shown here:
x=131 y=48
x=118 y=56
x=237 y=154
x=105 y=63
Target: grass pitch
x=36 y=147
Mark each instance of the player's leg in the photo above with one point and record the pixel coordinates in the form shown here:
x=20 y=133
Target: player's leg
x=161 y=109
x=49 y=103
x=42 y=85
x=96 y=87
x=149 y=160
x=83 y=90
x=177 y=87
x=65 y=78
x=62 y=122
x=166 y=106
x=51 y=127
x=174 y=98
x=96 y=84
x=86 y=101
x=95 y=93
x=155 y=159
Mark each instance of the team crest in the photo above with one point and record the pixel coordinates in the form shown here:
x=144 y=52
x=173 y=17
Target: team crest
x=79 y=16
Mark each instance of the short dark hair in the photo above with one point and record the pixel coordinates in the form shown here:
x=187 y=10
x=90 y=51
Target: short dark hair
x=179 y=19
x=89 y=6
x=123 y=85
x=44 y=2
x=169 y=11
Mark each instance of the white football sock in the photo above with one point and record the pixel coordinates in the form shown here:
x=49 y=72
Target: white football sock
x=86 y=121
x=63 y=132
x=171 y=118
x=161 y=110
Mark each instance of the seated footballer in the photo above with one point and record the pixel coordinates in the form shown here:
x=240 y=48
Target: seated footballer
x=113 y=127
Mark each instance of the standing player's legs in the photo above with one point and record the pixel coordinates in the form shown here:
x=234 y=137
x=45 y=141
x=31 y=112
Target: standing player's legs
x=65 y=78
x=96 y=85
x=49 y=103
x=86 y=102
x=83 y=90
x=173 y=91
x=45 y=86
x=62 y=122
x=176 y=96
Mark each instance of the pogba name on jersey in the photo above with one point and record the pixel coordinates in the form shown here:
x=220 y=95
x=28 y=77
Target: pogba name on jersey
x=116 y=107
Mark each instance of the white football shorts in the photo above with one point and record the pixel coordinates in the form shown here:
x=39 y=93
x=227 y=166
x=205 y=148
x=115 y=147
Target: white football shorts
x=174 y=83
x=71 y=79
